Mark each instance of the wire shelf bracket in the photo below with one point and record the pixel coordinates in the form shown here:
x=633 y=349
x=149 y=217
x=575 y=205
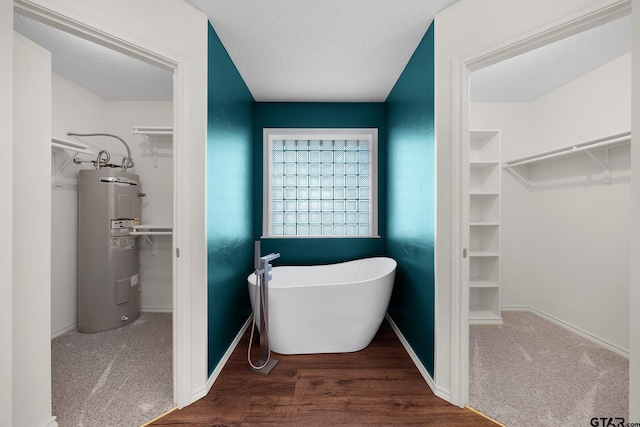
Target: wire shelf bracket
x=59 y=146
x=151 y=135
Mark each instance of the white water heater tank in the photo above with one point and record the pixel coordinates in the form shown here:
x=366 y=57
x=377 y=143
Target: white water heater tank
x=108 y=267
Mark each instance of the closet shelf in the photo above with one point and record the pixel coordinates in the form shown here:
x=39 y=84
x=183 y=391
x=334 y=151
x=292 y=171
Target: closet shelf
x=76 y=147
x=150 y=233
x=152 y=230
x=153 y=130
x=152 y=135
x=63 y=144
x=484 y=224
x=482 y=315
x=483 y=254
x=482 y=164
x=586 y=148
x=478 y=283
x=146 y=230
x=152 y=226
x=484 y=193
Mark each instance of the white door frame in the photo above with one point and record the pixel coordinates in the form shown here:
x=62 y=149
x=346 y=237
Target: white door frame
x=72 y=21
x=577 y=20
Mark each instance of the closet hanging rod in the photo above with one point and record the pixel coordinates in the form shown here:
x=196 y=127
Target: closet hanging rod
x=568 y=151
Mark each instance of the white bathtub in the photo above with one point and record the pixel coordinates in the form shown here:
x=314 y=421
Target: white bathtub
x=332 y=308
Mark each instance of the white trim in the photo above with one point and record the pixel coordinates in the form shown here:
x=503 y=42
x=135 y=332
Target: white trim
x=64 y=330
x=586 y=16
x=270 y=134
x=568 y=326
x=514 y=308
x=52 y=422
x=416 y=361
x=223 y=361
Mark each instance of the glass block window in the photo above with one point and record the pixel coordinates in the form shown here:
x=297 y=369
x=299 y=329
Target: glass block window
x=320 y=183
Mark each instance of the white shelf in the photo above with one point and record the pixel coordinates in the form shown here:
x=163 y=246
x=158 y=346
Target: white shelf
x=484 y=193
x=76 y=147
x=484 y=254
x=484 y=224
x=152 y=227
x=152 y=230
x=146 y=230
x=483 y=164
x=482 y=315
x=153 y=130
x=153 y=135
x=479 y=283
x=586 y=148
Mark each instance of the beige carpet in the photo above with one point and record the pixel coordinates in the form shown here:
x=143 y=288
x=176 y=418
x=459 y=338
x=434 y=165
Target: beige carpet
x=530 y=372
x=114 y=378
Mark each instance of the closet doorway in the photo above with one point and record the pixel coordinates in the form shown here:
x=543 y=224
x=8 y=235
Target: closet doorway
x=90 y=370
x=548 y=226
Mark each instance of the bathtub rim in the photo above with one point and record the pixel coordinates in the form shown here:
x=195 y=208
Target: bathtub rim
x=390 y=271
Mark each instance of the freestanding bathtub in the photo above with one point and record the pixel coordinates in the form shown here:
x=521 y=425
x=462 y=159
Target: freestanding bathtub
x=334 y=308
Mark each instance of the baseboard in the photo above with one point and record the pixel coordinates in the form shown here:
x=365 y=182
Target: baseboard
x=64 y=330
x=225 y=358
x=570 y=327
x=156 y=310
x=515 y=308
x=52 y=423
x=142 y=310
x=442 y=394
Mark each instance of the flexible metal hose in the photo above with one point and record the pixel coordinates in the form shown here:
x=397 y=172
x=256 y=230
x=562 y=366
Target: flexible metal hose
x=126 y=162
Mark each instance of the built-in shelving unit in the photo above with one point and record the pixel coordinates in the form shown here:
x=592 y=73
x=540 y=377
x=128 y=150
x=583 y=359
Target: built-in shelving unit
x=484 y=227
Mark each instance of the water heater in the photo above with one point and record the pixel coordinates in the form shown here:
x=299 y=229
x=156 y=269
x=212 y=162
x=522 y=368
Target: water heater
x=108 y=268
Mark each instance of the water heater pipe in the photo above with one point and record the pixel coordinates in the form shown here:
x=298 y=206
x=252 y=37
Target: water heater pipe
x=126 y=162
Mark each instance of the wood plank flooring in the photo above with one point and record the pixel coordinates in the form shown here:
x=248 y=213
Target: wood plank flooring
x=379 y=385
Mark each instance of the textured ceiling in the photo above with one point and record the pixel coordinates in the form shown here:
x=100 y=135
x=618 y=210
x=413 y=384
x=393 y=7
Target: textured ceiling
x=526 y=77
x=330 y=50
x=334 y=50
x=105 y=72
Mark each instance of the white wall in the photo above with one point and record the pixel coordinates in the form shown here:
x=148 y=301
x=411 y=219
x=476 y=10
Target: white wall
x=31 y=367
x=6 y=214
x=74 y=110
x=634 y=298
x=472 y=29
x=77 y=110
x=565 y=244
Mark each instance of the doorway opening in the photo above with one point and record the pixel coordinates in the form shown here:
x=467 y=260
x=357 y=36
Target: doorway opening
x=544 y=170
x=99 y=370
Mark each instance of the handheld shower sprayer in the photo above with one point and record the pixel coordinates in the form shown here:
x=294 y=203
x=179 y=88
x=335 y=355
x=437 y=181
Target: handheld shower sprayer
x=263 y=274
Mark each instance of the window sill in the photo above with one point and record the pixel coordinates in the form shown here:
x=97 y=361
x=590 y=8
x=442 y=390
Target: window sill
x=318 y=237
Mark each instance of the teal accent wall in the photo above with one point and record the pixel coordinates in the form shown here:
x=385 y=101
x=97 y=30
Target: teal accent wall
x=320 y=115
x=230 y=192
x=411 y=199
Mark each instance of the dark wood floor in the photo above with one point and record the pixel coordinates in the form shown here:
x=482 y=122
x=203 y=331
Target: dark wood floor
x=379 y=385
